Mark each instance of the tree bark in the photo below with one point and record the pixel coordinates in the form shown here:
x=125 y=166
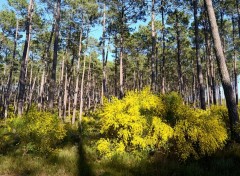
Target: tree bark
x=235 y=61
x=163 y=49
x=22 y=77
x=153 y=54
x=115 y=73
x=199 y=65
x=9 y=84
x=121 y=68
x=238 y=12
x=77 y=79
x=81 y=91
x=104 y=58
x=121 y=56
x=61 y=87
x=65 y=96
x=55 y=56
x=224 y=74
x=40 y=96
x=179 y=67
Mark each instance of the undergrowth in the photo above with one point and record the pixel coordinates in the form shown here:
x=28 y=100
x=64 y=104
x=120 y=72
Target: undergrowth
x=142 y=134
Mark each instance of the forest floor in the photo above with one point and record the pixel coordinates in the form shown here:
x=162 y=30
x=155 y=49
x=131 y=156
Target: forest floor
x=77 y=158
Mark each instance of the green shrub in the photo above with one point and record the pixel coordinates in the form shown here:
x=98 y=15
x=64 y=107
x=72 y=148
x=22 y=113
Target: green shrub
x=37 y=131
x=174 y=106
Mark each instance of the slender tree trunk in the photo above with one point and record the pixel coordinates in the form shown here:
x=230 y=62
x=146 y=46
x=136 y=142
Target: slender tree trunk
x=207 y=90
x=238 y=12
x=77 y=79
x=199 y=65
x=69 y=106
x=55 y=56
x=208 y=80
x=220 y=95
x=193 y=86
x=153 y=54
x=9 y=84
x=31 y=94
x=47 y=53
x=81 y=91
x=89 y=84
x=212 y=69
x=121 y=68
x=163 y=48
x=61 y=87
x=180 y=78
x=224 y=74
x=104 y=58
x=22 y=77
x=115 y=73
x=235 y=60
x=65 y=96
x=40 y=96
x=121 y=55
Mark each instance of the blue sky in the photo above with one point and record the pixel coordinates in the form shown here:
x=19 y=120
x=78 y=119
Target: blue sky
x=2 y=3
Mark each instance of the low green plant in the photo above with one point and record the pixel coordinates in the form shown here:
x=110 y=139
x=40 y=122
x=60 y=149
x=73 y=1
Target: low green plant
x=173 y=104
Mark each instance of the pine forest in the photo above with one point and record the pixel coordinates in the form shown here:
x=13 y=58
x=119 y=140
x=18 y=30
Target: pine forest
x=119 y=87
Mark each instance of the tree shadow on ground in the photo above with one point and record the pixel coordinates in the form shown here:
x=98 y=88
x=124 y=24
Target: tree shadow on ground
x=84 y=169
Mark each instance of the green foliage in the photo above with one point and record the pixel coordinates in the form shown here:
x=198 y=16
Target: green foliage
x=36 y=131
x=62 y=162
x=173 y=107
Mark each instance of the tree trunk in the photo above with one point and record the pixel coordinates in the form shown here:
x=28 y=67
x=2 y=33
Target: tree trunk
x=40 y=96
x=77 y=79
x=179 y=67
x=89 y=84
x=104 y=58
x=61 y=86
x=121 y=68
x=55 y=56
x=81 y=91
x=121 y=55
x=115 y=73
x=31 y=94
x=193 y=86
x=235 y=60
x=199 y=65
x=153 y=54
x=238 y=12
x=65 y=96
x=22 y=77
x=224 y=74
x=163 y=49
x=9 y=84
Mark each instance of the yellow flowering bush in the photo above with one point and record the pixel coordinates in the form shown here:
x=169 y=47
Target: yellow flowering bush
x=126 y=123
x=200 y=133
x=159 y=134
x=37 y=131
x=144 y=121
